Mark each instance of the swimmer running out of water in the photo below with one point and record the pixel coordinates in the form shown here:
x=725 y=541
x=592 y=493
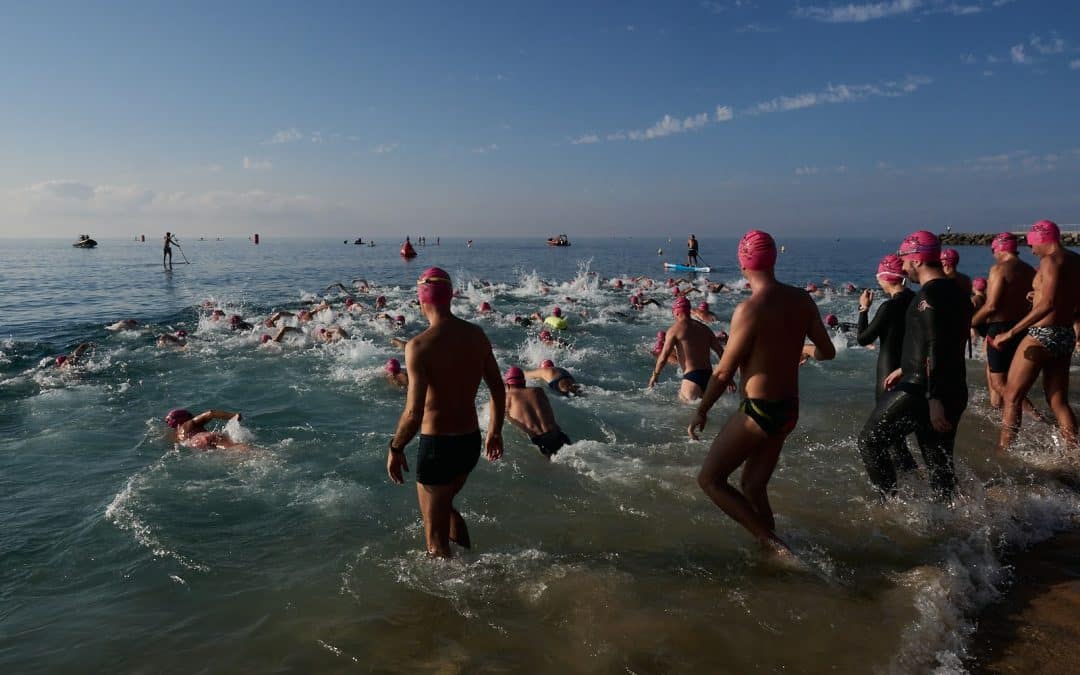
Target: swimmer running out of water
x=691 y=340
x=767 y=344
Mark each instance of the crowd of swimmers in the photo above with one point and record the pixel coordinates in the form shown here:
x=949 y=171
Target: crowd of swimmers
x=1028 y=316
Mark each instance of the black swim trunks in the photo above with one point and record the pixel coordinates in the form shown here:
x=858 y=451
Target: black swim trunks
x=700 y=377
x=774 y=417
x=442 y=459
x=551 y=442
x=1060 y=341
x=1000 y=355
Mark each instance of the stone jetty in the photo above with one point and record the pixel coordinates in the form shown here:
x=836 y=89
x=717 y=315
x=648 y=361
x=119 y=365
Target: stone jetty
x=982 y=239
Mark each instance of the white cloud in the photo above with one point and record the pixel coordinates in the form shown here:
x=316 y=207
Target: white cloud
x=1017 y=55
x=841 y=93
x=961 y=10
x=384 y=148
x=1054 y=45
x=816 y=170
x=285 y=136
x=587 y=139
x=485 y=149
x=807 y=171
x=316 y=137
x=1074 y=64
x=852 y=13
x=724 y=113
x=969 y=59
x=669 y=125
x=257 y=164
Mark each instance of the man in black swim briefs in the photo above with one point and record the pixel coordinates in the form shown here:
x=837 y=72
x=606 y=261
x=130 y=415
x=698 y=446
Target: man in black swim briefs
x=445 y=365
x=928 y=393
x=767 y=344
x=528 y=409
x=691 y=340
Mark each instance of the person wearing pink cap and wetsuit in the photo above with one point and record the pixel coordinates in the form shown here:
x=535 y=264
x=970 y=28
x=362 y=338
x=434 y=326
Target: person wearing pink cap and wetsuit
x=1047 y=335
x=1007 y=286
x=445 y=365
x=529 y=409
x=928 y=393
x=888 y=328
x=950 y=258
x=766 y=346
x=691 y=341
x=191 y=429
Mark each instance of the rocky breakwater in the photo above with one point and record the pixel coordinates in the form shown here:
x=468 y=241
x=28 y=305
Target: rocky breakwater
x=982 y=239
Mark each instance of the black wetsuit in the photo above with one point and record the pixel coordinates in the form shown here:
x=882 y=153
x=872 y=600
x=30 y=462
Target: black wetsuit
x=934 y=367
x=888 y=327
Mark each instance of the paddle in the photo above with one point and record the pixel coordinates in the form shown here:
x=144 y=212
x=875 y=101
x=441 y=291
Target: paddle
x=186 y=261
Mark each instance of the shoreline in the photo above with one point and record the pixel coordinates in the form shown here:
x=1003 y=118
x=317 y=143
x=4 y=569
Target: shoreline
x=1035 y=626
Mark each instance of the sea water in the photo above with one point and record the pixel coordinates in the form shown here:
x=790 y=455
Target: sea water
x=120 y=551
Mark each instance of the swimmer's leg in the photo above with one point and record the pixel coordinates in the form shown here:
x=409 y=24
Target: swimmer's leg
x=689 y=391
x=756 y=473
x=739 y=439
x=437 y=509
x=1024 y=370
x=1056 y=386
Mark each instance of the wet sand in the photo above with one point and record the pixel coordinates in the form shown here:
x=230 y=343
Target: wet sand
x=1035 y=628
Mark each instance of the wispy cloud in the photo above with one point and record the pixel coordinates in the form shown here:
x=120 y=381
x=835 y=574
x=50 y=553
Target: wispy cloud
x=485 y=149
x=384 y=148
x=257 y=164
x=1074 y=64
x=756 y=28
x=1046 y=47
x=717 y=7
x=1018 y=56
x=587 y=139
x=852 y=13
x=817 y=170
x=290 y=135
x=841 y=93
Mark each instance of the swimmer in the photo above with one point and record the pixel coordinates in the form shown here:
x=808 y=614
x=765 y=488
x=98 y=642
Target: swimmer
x=71 y=360
x=380 y=302
x=395 y=375
x=638 y=301
x=978 y=293
x=217 y=315
x=1047 y=335
x=445 y=364
x=331 y=334
x=344 y=289
x=928 y=393
x=547 y=338
x=887 y=328
x=702 y=313
x=950 y=258
x=271 y=321
x=715 y=287
x=236 y=322
x=559 y=380
x=768 y=334
x=178 y=339
x=282 y=332
x=528 y=409
x=191 y=429
x=123 y=324
x=658 y=347
x=691 y=340
x=485 y=308
x=1006 y=302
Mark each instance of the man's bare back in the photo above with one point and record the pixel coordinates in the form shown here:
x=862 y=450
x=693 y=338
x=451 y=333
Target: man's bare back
x=530 y=410
x=450 y=404
x=1008 y=285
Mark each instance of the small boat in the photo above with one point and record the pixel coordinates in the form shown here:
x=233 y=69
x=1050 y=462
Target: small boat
x=85 y=242
x=686 y=268
x=407 y=251
x=359 y=241
x=560 y=240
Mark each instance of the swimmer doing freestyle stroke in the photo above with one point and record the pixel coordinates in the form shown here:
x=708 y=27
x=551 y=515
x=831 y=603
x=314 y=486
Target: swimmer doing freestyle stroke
x=766 y=346
x=191 y=429
x=445 y=365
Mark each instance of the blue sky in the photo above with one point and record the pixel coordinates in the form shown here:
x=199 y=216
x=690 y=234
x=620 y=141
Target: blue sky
x=484 y=118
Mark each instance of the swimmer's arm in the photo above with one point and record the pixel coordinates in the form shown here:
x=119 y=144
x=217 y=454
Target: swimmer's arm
x=824 y=349
x=537 y=374
x=994 y=292
x=79 y=351
x=210 y=415
x=493 y=379
x=413 y=414
x=662 y=358
x=1044 y=300
x=869 y=331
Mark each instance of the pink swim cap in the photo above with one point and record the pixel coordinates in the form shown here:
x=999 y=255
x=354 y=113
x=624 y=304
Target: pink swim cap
x=545 y=335
x=217 y=312
x=618 y=283
x=1005 y=242
x=556 y=311
x=434 y=287
x=680 y=306
x=1043 y=232
x=514 y=376
x=703 y=307
x=322 y=331
x=399 y=320
x=485 y=307
x=891 y=269
x=757 y=251
x=950 y=257
x=176 y=417
x=921 y=246
x=181 y=333
x=547 y=363
x=264 y=339
x=381 y=300
x=393 y=366
x=831 y=321
x=849 y=287
x=978 y=283
x=61 y=360
x=811 y=287
x=722 y=336
x=235 y=320
x=349 y=302
x=676 y=292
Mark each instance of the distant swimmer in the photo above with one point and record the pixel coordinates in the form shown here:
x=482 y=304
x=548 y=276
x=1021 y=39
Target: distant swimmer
x=191 y=429
x=123 y=324
x=928 y=393
x=177 y=339
x=236 y=322
x=692 y=251
x=638 y=301
x=331 y=334
x=1048 y=335
x=1005 y=303
x=271 y=321
x=887 y=327
x=528 y=409
x=166 y=254
x=445 y=365
x=658 y=348
x=702 y=313
x=978 y=294
x=71 y=360
x=559 y=380
x=950 y=258
x=768 y=335
x=691 y=340
x=394 y=373
x=485 y=308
